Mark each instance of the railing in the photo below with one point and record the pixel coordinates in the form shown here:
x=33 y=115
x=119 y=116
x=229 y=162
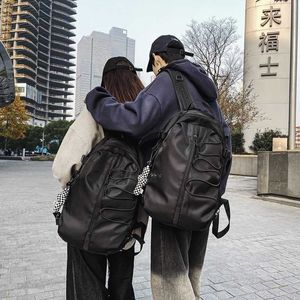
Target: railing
x=26 y=31
x=67 y=7
x=64 y=21
x=25 y=40
x=67 y=62
x=65 y=30
x=64 y=53
x=25 y=12
x=71 y=3
x=68 y=77
x=26 y=3
x=66 y=15
x=18 y=56
x=68 y=40
x=25 y=48
x=70 y=49
x=23 y=66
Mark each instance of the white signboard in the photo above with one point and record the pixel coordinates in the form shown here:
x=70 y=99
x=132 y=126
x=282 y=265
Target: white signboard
x=267 y=63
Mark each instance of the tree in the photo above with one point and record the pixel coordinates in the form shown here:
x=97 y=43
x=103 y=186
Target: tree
x=13 y=121
x=55 y=132
x=238 y=142
x=32 y=139
x=239 y=107
x=263 y=141
x=214 y=44
x=50 y=136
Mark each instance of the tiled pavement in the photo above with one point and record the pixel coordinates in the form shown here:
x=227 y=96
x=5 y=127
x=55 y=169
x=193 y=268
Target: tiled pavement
x=258 y=259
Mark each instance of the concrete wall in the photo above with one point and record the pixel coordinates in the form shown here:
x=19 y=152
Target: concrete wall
x=245 y=165
x=279 y=173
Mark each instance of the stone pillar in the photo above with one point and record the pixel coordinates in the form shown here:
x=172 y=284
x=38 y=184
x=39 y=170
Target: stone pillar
x=267 y=63
x=279 y=173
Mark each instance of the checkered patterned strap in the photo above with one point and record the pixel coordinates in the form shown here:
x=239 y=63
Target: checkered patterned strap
x=60 y=201
x=142 y=181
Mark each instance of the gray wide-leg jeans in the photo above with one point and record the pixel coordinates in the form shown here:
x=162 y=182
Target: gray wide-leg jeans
x=177 y=258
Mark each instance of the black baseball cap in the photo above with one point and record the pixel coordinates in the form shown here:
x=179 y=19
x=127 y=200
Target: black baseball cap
x=169 y=44
x=119 y=63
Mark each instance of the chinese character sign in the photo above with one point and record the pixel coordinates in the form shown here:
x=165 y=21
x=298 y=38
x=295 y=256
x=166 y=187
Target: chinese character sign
x=267 y=62
x=269 y=41
x=271 y=15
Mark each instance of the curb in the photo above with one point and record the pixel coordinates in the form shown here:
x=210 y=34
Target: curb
x=279 y=200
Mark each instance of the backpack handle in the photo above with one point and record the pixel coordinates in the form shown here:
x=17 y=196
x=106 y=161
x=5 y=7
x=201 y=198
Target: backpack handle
x=183 y=95
x=140 y=241
x=215 y=228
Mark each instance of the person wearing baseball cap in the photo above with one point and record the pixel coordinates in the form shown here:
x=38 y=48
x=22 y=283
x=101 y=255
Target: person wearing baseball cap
x=87 y=275
x=119 y=63
x=177 y=255
x=168 y=44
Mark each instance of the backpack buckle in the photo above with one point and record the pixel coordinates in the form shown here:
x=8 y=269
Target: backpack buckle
x=225 y=153
x=179 y=77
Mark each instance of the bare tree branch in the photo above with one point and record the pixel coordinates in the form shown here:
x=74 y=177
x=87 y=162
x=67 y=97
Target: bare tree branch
x=214 y=44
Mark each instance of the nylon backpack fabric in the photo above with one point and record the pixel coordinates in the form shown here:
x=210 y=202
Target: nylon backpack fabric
x=186 y=168
x=100 y=211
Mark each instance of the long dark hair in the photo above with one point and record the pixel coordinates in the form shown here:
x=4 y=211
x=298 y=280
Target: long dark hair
x=124 y=85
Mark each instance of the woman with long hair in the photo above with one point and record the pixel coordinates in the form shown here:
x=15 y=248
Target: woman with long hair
x=87 y=272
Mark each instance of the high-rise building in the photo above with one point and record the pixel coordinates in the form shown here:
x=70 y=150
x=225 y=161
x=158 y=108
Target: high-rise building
x=38 y=36
x=92 y=53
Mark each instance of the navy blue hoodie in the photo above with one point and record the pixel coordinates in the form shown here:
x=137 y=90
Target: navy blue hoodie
x=144 y=118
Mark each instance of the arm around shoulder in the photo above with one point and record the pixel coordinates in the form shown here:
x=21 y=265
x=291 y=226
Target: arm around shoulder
x=133 y=117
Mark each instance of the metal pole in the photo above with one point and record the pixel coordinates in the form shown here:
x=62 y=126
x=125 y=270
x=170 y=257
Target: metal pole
x=293 y=75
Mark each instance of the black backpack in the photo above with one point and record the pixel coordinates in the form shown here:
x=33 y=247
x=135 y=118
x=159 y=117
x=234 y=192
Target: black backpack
x=100 y=210
x=186 y=168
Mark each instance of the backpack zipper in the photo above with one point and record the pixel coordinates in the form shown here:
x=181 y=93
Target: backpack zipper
x=181 y=194
x=96 y=208
x=95 y=212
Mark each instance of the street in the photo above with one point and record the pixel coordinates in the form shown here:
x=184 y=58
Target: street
x=257 y=259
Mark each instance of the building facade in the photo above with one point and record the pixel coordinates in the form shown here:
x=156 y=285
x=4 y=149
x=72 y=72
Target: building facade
x=297 y=137
x=92 y=53
x=267 y=63
x=38 y=36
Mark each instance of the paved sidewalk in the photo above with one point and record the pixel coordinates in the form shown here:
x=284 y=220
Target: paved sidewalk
x=258 y=259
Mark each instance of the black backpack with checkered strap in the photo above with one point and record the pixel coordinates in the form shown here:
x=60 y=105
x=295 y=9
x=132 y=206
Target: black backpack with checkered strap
x=99 y=207
x=186 y=169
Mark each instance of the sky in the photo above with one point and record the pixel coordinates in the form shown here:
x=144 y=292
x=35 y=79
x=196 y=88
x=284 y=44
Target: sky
x=146 y=20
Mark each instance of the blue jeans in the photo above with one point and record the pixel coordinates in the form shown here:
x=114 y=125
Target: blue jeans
x=177 y=258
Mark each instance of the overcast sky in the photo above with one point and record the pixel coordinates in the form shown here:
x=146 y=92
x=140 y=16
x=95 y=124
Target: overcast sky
x=146 y=20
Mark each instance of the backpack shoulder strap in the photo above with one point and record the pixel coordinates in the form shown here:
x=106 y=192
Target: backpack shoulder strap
x=183 y=95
